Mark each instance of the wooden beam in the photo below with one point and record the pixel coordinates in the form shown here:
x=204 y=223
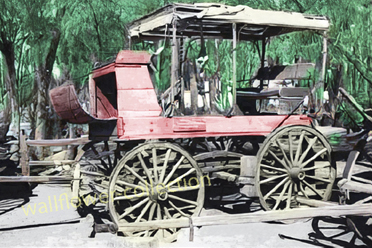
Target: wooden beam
x=24 y=156
x=75 y=185
x=314 y=203
x=51 y=162
x=59 y=142
x=33 y=179
x=355 y=187
x=281 y=215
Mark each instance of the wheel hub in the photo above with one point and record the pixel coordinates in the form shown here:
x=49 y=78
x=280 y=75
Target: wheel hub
x=296 y=173
x=158 y=193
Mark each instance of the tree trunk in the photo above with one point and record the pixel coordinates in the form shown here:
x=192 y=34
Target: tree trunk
x=11 y=111
x=43 y=78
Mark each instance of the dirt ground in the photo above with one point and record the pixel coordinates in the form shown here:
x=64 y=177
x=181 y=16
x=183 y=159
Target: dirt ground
x=54 y=224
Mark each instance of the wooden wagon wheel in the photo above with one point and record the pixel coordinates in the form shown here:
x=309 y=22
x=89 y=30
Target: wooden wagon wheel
x=294 y=161
x=155 y=181
x=352 y=231
x=96 y=166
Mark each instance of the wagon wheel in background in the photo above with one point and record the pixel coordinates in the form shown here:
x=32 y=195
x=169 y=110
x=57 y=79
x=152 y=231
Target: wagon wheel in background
x=96 y=166
x=352 y=231
x=294 y=162
x=155 y=181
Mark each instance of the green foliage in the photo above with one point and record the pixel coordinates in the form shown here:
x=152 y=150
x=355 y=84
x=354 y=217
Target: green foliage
x=94 y=31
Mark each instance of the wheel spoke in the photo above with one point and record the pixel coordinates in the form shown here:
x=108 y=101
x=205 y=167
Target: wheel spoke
x=178 y=210
x=273 y=168
x=279 y=160
x=147 y=171
x=173 y=170
x=319 y=179
x=183 y=200
x=107 y=148
x=130 y=185
x=313 y=157
x=317 y=167
x=303 y=191
x=159 y=217
x=299 y=146
x=286 y=160
x=131 y=197
x=152 y=211
x=155 y=165
x=135 y=174
x=312 y=188
x=166 y=211
x=275 y=188
x=131 y=209
x=165 y=164
x=167 y=214
x=290 y=146
x=272 y=178
x=289 y=196
x=144 y=210
x=280 y=198
x=182 y=176
x=311 y=143
x=186 y=188
x=158 y=212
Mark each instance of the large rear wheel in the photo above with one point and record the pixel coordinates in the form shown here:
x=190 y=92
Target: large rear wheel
x=294 y=162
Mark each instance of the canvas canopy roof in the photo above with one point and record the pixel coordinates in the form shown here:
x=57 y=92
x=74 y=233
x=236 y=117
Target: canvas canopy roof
x=215 y=20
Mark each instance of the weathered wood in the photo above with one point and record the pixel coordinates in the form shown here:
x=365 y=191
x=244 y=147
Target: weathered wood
x=314 y=203
x=23 y=151
x=225 y=176
x=291 y=214
x=358 y=167
x=59 y=142
x=209 y=169
x=75 y=185
x=80 y=153
x=51 y=162
x=34 y=179
x=355 y=186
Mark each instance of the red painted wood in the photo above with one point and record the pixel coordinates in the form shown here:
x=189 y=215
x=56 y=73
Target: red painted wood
x=104 y=108
x=167 y=128
x=138 y=109
x=133 y=77
x=189 y=125
x=133 y=57
x=92 y=97
x=104 y=70
x=136 y=94
x=67 y=106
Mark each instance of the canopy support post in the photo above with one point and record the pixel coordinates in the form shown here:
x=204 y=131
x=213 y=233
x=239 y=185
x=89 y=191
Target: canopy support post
x=175 y=58
x=234 y=65
x=324 y=65
x=263 y=60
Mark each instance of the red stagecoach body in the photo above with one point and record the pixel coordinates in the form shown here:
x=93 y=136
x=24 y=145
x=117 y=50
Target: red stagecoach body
x=123 y=92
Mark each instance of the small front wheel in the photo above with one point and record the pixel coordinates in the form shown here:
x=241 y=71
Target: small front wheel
x=155 y=181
